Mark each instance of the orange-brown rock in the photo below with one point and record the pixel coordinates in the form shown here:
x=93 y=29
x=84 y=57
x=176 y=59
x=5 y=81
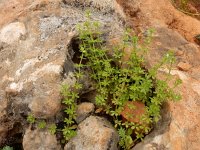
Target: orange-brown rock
x=133 y=111
x=179 y=127
x=184 y=66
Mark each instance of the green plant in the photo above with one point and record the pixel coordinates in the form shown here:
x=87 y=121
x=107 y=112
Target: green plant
x=184 y=4
x=31 y=119
x=70 y=96
x=119 y=81
x=41 y=124
x=7 y=148
x=52 y=128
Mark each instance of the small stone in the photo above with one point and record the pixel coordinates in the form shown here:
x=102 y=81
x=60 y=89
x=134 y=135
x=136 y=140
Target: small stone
x=45 y=107
x=184 y=66
x=84 y=110
x=12 y=32
x=40 y=140
x=99 y=110
x=94 y=133
x=158 y=43
x=133 y=111
x=179 y=53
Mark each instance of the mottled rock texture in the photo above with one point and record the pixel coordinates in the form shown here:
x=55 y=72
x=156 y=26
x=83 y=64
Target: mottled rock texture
x=94 y=133
x=84 y=110
x=40 y=140
x=36 y=53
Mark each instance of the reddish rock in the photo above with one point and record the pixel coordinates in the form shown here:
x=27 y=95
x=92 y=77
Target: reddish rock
x=179 y=127
x=133 y=111
x=184 y=66
x=11 y=10
x=179 y=53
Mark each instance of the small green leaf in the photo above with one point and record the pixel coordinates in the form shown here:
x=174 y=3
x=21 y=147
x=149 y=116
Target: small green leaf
x=52 y=128
x=7 y=148
x=42 y=124
x=31 y=118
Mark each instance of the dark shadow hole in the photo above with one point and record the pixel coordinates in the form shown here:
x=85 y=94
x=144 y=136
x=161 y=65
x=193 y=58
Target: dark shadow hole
x=14 y=137
x=76 y=54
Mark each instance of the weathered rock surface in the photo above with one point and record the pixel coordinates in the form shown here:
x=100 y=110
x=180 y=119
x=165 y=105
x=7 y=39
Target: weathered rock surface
x=179 y=127
x=144 y=13
x=40 y=140
x=103 y=5
x=36 y=53
x=83 y=111
x=12 y=32
x=184 y=66
x=94 y=133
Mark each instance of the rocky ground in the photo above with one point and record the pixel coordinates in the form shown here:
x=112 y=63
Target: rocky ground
x=37 y=54
x=191 y=7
